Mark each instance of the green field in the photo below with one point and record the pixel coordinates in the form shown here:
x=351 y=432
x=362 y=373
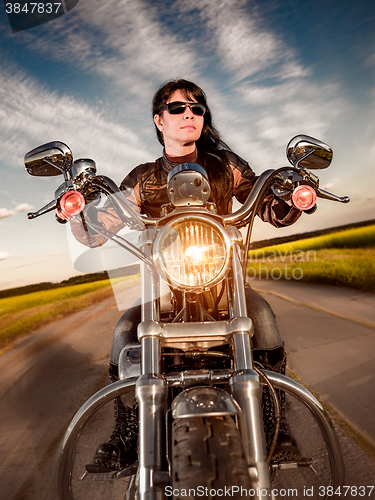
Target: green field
x=345 y=258
x=22 y=314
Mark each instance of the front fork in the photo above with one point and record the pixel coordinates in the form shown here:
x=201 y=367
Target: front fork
x=151 y=390
x=247 y=390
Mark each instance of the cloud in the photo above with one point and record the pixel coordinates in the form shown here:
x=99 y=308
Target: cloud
x=123 y=41
x=330 y=185
x=278 y=112
x=4 y=212
x=241 y=38
x=23 y=207
x=272 y=96
x=29 y=114
x=369 y=136
x=4 y=255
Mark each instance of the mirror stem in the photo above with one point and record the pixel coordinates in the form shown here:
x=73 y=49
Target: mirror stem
x=303 y=157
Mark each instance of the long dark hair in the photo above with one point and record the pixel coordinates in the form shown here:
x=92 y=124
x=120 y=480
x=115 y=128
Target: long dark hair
x=219 y=173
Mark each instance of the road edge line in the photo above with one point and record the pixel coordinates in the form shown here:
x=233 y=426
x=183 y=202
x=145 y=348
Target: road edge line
x=369 y=324
x=345 y=424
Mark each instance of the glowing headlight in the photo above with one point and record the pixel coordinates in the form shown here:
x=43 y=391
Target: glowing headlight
x=192 y=252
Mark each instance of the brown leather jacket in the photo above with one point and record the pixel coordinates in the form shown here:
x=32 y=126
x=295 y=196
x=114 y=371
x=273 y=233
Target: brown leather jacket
x=146 y=184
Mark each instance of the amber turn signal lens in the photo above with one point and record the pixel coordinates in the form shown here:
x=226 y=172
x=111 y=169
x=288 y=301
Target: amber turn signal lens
x=72 y=203
x=304 y=197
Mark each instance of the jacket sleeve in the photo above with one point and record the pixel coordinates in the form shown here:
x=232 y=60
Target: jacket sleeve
x=273 y=210
x=106 y=215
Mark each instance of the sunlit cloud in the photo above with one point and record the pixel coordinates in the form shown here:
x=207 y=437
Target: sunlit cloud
x=4 y=255
x=4 y=213
x=23 y=207
x=330 y=185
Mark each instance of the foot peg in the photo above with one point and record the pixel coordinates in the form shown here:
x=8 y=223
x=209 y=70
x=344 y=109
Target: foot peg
x=98 y=475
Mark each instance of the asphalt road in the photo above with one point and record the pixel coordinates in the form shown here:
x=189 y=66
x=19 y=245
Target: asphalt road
x=49 y=375
x=334 y=353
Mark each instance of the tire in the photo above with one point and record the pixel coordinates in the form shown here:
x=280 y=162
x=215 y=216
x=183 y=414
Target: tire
x=207 y=453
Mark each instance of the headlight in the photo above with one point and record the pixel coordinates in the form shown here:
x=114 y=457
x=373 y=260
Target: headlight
x=192 y=252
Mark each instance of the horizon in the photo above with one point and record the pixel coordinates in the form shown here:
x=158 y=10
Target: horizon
x=305 y=236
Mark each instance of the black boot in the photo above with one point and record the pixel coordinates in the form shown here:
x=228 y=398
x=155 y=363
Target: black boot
x=121 y=449
x=286 y=448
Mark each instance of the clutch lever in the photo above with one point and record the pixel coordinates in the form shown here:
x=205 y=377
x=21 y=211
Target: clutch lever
x=321 y=193
x=47 y=208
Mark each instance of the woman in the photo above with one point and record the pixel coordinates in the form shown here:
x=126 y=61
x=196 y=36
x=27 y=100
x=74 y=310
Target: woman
x=184 y=127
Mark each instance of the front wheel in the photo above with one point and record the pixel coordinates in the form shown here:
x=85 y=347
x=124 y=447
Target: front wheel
x=207 y=458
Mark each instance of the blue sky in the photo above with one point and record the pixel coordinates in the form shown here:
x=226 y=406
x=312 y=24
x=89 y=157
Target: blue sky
x=271 y=70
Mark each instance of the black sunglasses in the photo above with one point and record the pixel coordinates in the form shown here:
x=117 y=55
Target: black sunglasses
x=177 y=108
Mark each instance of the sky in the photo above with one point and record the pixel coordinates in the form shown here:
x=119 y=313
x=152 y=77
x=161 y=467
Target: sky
x=271 y=70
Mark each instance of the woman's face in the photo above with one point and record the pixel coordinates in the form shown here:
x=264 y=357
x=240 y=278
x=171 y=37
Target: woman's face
x=179 y=130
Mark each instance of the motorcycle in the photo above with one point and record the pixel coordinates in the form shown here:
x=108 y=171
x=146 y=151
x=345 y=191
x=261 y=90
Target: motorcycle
x=198 y=389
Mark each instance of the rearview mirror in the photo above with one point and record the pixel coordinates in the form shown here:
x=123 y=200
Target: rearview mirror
x=53 y=158
x=306 y=152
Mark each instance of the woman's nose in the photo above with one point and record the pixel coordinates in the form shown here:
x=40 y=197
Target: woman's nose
x=188 y=113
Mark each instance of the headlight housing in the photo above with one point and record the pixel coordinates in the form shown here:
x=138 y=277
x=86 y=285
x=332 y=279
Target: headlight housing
x=192 y=252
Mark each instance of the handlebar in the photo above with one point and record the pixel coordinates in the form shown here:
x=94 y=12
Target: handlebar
x=134 y=220
x=242 y=215
x=138 y=222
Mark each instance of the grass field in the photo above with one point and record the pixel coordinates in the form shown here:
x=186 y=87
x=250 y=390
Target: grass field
x=345 y=258
x=23 y=314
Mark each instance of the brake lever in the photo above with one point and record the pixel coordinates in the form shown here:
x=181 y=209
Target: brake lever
x=47 y=208
x=330 y=196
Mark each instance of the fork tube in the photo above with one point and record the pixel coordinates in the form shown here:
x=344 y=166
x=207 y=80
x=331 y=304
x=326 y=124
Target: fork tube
x=239 y=297
x=149 y=285
x=151 y=396
x=149 y=294
x=241 y=340
x=151 y=390
x=247 y=390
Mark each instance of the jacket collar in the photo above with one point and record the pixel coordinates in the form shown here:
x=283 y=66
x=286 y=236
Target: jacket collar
x=167 y=164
